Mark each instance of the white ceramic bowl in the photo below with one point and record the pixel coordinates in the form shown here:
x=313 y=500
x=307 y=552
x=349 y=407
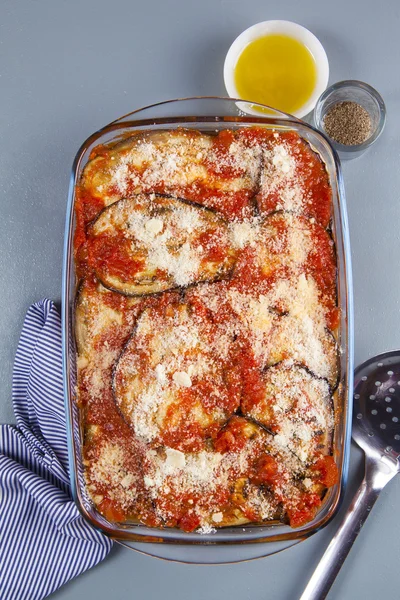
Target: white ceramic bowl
x=292 y=30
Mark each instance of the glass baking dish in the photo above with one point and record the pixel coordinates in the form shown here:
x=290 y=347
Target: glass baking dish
x=233 y=543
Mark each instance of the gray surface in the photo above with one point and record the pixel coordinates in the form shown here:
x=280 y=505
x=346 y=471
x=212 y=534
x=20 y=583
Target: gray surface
x=67 y=68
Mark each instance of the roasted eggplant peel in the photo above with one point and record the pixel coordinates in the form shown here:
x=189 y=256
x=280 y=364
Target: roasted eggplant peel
x=149 y=243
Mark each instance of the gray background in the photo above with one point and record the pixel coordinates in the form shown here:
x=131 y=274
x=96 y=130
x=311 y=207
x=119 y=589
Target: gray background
x=66 y=69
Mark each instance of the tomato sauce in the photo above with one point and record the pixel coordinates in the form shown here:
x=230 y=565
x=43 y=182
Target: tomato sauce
x=304 y=510
x=112 y=255
x=87 y=207
x=326 y=471
x=266 y=472
x=232 y=437
x=253 y=383
x=214 y=249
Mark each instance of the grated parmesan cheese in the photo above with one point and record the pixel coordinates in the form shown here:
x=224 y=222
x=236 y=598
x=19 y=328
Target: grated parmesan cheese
x=217 y=517
x=279 y=177
x=181 y=378
x=205 y=529
x=110 y=470
x=154 y=226
x=245 y=233
x=175 y=459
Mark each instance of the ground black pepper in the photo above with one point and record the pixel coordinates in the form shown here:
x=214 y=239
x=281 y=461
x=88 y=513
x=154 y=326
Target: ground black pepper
x=348 y=123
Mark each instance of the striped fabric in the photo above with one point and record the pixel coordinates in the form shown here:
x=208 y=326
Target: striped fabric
x=44 y=541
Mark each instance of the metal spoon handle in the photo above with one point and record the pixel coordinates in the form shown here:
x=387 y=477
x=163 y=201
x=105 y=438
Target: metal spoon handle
x=335 y=554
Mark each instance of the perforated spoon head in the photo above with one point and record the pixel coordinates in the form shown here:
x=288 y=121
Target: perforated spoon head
x=376 y=417
x=376 y=428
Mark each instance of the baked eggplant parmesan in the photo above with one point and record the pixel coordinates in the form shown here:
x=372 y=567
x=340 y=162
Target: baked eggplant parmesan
x=206 y=325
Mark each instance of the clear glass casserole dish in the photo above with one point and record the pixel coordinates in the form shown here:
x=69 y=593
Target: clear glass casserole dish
x=229 y=544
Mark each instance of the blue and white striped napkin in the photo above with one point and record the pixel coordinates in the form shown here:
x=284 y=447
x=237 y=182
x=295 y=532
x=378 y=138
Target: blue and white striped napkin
x=44 y=541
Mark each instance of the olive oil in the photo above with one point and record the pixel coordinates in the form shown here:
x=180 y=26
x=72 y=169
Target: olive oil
x=276 y=70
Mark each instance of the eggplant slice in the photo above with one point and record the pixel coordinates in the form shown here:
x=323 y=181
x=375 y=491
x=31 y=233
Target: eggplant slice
x=183 y=163
x=148 y=244
x=175 y=381
x=252 y=500
x=139 y=162
x=292 y=244
x=276 y=479
x=304 y=341
x=99 y=312
x=293 y=177
x=103 y=322
x=300 y=335
x=298 y=407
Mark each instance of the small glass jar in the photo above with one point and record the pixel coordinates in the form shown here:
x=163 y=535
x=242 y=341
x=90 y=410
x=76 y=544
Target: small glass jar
x=352 y=91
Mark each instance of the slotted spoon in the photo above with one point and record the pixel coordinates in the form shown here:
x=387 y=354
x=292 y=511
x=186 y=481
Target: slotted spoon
x=376 y=429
